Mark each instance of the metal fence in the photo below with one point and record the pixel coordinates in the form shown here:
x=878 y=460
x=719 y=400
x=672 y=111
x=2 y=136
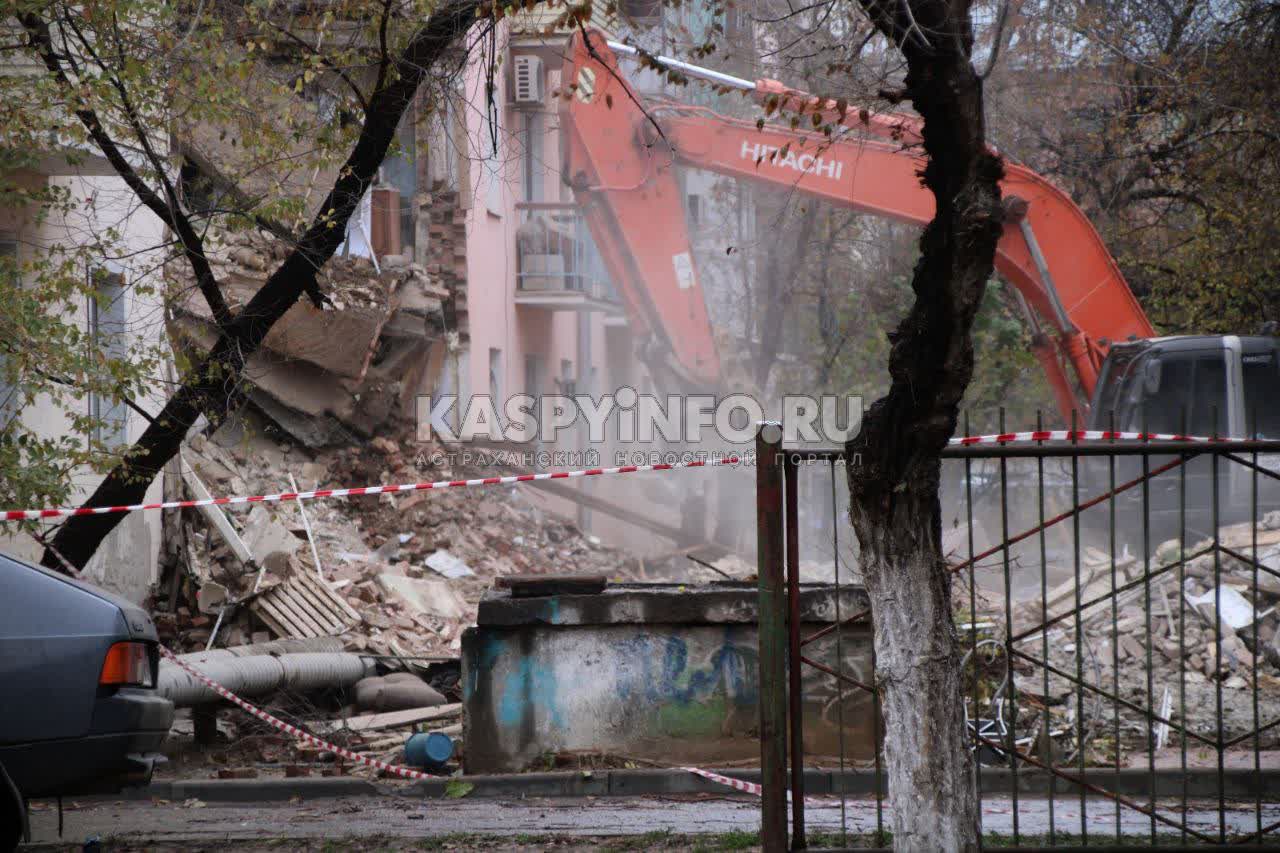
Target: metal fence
x=1116 y=604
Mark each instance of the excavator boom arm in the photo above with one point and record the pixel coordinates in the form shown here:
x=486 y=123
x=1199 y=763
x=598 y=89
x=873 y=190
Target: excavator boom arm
x=622 y=161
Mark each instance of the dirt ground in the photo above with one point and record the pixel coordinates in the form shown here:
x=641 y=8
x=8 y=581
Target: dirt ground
x=694 y=822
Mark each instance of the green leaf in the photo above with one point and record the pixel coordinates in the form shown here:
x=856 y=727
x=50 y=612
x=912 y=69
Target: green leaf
x=457 y=789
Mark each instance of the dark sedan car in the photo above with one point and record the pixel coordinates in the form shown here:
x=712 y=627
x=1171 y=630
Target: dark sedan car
x=79 y=712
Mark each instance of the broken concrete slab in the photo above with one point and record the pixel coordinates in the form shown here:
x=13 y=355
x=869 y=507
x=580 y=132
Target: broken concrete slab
x=270 y=542
x=444 y=563
x=429 y=597
x=214 y=515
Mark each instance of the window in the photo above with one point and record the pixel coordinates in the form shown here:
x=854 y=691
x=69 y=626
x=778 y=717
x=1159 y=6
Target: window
x=566 y=377
x=533 y=379
x=532 y=157
x=1261 y=390
x=495 y=376
x=1164 y=388
x=106 y=325
x=400 y=170
x=642 y=9
x=1209 y=396
x=490 y=144
x=533 y=374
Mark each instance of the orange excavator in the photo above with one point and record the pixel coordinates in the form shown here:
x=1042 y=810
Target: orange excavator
x=1083 y=317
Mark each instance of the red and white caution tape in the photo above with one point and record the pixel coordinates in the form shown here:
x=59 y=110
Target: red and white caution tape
x=746 y=787
x=406 y=772
x=738 y=784
x=966 y=441
x=1074 y=435
x=31 y=514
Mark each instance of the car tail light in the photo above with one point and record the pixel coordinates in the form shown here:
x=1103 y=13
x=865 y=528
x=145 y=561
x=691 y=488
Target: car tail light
x=127 y=664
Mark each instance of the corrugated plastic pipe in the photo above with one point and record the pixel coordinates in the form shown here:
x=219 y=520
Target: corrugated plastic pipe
x=260 y=674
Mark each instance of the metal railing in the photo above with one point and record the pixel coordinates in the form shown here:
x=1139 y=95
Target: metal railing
x=1118 y=618
x=555 y=252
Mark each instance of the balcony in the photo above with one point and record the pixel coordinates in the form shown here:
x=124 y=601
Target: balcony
x=560 y=268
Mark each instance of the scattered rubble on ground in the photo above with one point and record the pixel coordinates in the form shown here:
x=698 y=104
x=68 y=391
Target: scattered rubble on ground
x=1191 y=654
x=395 y=578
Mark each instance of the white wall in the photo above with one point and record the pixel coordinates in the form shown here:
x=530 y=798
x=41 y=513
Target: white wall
x=127 y=563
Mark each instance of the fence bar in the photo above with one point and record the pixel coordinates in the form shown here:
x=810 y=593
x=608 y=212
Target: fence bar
x=1182 y=631
x=1079 y=641
x=1046 y=721
x=1217 y=637
x=973 y=621
x=833 y=628
x=1255 y=518
x=1115 y=619
x=1146 y=612
x=772 y=641
x=835 y=563
x=795 y=697
x=1010 y=707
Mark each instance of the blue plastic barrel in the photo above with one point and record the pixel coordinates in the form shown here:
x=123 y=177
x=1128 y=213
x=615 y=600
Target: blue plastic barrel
x=430 y=750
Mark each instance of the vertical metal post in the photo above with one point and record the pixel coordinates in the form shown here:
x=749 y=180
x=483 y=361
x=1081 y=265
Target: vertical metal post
x=772 y=639
x=1008 y=711
x=1217 y=637
x=1079 y=627
x=1148 y=641
x=973 y=638
x=835 y=562
x=1048 y=757
x=795 y=696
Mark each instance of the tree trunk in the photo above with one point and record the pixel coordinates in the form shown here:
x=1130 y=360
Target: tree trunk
x=894 y=494
x=209 y=388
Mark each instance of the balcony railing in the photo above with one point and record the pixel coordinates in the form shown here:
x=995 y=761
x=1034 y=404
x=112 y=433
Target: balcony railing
x=558 y=258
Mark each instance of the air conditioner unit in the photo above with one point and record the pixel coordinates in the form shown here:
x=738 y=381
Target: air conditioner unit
x=529 y=87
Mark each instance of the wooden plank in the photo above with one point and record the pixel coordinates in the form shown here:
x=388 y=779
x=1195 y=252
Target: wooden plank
x=214 y=514
x=340 y=604
x=285 y=615
x=285 y=597
x=322 y=609
x=390 y=719
x=269 y=615
x=289 y=613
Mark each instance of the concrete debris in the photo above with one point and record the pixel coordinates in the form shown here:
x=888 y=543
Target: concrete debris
x=1218 y=631
x=269 y=541
x=428 y=597
x=310 y=386
x=444 y=563
x=211 y=597
x=394 y=719
x=402 y=574
x=1236 y=611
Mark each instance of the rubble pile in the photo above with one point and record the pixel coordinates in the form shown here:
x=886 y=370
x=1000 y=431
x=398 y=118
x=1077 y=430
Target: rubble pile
x=1185 y=633
x=318 y=392
x=407 y=569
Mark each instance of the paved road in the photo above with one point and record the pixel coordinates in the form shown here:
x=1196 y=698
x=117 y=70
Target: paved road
x=195 y=822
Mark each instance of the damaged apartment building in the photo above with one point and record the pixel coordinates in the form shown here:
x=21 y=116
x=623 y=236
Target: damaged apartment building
x=468 y=270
